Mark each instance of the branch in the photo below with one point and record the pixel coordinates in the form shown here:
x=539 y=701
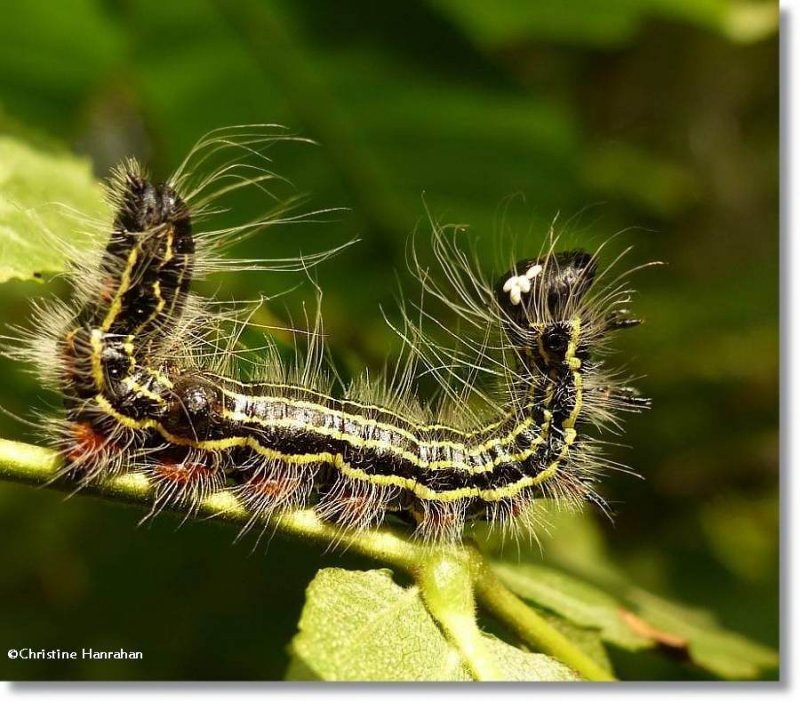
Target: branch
x=439 y=571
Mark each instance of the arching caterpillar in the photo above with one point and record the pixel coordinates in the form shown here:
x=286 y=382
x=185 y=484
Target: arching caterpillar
x=138 y=397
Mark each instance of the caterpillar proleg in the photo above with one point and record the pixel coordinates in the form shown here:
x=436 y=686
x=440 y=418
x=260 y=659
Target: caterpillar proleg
x=142 y=393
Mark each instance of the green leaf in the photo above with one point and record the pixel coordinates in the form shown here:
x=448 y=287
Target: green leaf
x=518 y=665
x=588 y=640
x=638 y=619
x=43 y=197
x=725 y=653
x=299 y=671
x=363 y=626
x=575 y=600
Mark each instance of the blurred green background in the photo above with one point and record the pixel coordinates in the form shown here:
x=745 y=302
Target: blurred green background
x=659 y=117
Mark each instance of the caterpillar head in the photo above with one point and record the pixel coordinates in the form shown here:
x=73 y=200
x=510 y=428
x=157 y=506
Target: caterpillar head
x=541 y=302
x=546 y=289
x=144 y=206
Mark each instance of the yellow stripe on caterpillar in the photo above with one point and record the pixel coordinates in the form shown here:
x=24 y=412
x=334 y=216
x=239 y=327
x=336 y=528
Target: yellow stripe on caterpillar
x=337 y=461
x=420 y=427
x=140 y=389
x=525 y=424
x=124 y=283
x=388 y=447
x=97 y=358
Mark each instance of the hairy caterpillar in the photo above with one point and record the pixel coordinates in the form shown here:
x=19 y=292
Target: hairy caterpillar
x=143 y=393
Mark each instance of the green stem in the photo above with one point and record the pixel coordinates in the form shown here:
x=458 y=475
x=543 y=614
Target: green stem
x=449 y=578
x=531 y=627
x=34 y=465
x=445 y=582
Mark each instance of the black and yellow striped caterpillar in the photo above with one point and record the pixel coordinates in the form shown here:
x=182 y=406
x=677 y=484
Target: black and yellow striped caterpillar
x=138 y=398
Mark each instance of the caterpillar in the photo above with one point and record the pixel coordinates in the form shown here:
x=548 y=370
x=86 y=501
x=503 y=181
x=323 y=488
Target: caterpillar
x=142 y=392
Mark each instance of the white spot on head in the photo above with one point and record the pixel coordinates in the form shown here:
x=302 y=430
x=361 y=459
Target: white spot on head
x=518 y=284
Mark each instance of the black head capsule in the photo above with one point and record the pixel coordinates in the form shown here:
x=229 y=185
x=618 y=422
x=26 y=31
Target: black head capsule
x=144 y=210
x=196 y=408
x=540 y=299
x=548 y=288
x=145 y=206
